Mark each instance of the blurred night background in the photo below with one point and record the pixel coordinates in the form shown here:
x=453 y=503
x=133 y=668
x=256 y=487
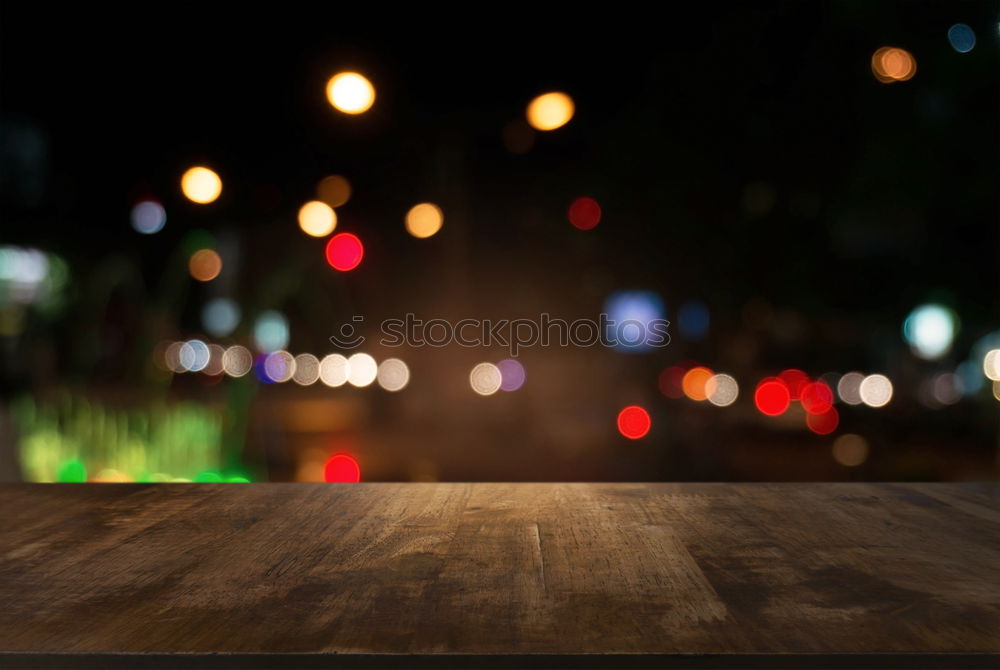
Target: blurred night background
x=808 y=192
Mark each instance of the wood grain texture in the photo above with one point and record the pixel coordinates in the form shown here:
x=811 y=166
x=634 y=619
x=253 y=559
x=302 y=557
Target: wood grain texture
x=480 y=569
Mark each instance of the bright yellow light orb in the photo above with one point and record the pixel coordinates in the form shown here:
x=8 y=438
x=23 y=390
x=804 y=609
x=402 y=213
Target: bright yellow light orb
x=317 y=219
x=334 y=190
x=350 y=93
x=550 y=111
x=201 y=185
x=424 y=220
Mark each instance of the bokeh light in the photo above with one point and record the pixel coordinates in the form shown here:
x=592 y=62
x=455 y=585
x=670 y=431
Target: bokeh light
x=208 y=477
x=892 y=64
x=930 y=331
x=991 y=364
x=342 y=469
x=550 y=111
x=111 y=476
x=279 y=366
x=172 y=357
x=220 y=316
x=237 y=361
x=306 y=370
x=693 y=320
x=631 y=315
x=201 y=185
x=670 y=381
x=970 y=372
x=333 y=370
x=722 y=390
x=875 y=390
x=850 y=450
x=947 y=388
x=634 y=422
x=393 y=374
x=194 y=355
x=584 y=213
x=344 y=252
x=961 y=38
x=317 y=218
x=512 y=374
x=772 y=397
x=350 y=92
x=71 y=471
x=361 y=370
x=424 y=220
x=816 y=398
x=334 y=190
x=796 y=380
x=695 y=382
x=823 y=423
x=848 y=388
x=215 y=365
x=205 y=264
x=270 y=331
x=485 y=379
x=148 y=217
x=260 y=369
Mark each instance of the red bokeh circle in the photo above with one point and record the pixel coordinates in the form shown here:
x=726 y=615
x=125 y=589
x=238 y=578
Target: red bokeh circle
x=342 y=468
x=634 y=422
x=584 y=213
x=772 y=397
x=344 y=251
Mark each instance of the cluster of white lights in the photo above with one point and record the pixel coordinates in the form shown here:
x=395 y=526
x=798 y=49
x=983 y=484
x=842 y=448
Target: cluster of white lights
x=280 y=366
x=855 y=388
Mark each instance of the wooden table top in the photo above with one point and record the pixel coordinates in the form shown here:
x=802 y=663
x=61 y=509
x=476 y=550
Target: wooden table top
x=542 y=575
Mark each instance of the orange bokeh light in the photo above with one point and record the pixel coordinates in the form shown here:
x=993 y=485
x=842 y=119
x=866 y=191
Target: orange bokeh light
x=695 y=383
x=205 y=265
x=892 y=64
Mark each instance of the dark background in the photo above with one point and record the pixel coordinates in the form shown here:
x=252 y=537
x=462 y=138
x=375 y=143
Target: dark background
x=881 y=198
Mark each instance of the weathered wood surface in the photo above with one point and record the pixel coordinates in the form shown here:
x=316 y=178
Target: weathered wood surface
x=481 y=569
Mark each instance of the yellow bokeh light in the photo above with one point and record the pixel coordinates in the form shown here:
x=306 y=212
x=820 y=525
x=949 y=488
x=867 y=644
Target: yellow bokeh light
x=317 y=218
x=350 y=93
x=205 y=265
x=424 y=220
x=550 y=111
x=201 y=185
x=334 y=190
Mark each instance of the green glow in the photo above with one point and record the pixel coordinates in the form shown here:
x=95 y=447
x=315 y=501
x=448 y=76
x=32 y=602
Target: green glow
x=72 y=471
x=208 y=476
x=196 y=239
x=152 y=442
x=237 y=480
